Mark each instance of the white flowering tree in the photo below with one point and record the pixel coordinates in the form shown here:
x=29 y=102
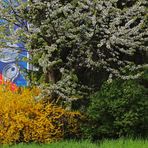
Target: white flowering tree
x=70 y=38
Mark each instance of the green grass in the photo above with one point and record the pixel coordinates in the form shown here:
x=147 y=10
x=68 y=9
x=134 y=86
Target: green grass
x=124 y=143
x=65 y=144
x=121 y=143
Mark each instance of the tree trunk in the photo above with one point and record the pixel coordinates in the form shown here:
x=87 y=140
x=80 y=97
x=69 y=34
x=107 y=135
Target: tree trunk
x=52 y=76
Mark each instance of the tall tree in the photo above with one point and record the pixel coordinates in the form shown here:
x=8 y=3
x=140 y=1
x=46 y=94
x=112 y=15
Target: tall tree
x=71 y=38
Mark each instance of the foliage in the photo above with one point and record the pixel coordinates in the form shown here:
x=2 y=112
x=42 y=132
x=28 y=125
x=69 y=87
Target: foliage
x=9 y=17
x=22 y=119
x=118 y=109
x=69 y=38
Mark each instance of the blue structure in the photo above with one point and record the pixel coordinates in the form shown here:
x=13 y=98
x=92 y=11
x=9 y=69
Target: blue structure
x=12 y=66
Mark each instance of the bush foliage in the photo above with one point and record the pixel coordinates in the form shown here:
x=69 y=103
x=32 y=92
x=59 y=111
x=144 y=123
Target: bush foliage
x=22 y=119
x=119 y=109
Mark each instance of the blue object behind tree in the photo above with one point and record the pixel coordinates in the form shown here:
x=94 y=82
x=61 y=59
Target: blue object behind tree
x=12 y=66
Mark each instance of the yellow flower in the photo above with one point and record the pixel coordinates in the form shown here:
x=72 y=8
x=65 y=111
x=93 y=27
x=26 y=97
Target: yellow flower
x=22 y=119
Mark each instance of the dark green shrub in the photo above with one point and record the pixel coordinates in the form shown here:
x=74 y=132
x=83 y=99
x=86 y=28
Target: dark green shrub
x=119 y=109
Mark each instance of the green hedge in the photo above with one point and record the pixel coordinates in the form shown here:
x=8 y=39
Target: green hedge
x=119 y=109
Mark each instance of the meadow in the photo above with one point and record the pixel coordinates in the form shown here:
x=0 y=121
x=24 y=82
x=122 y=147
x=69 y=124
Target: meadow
x=120 y=143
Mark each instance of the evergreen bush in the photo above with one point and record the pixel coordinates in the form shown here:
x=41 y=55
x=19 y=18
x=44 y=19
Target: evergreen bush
x=119 y=109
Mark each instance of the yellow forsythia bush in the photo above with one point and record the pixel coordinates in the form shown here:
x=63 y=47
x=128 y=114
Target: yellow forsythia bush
x=22 y=119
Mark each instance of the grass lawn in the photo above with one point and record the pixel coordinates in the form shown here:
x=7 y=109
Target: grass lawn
x=121 y=143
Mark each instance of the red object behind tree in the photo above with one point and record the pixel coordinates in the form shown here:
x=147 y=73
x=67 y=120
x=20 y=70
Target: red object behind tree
x=13 y=86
